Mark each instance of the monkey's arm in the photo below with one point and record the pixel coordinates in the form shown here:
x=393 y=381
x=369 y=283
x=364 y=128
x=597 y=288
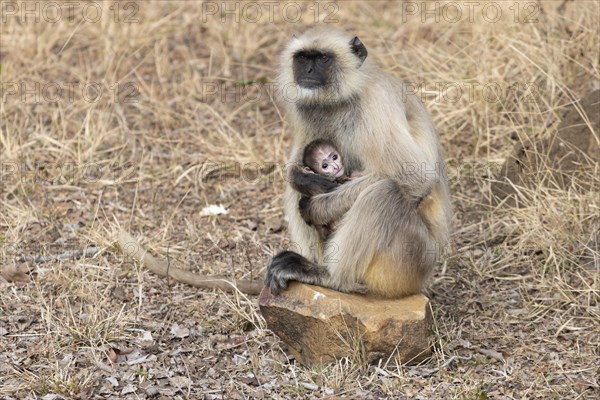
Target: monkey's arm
x=324 y=208
x=310 y=184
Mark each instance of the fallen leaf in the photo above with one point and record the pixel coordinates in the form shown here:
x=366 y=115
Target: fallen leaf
x=129 y=356
x=213 y=210
x=113 y=381
x=249 y=380
x=147 y=337
x=112 y=355
x=252 y=225
x=167 y=392
x=274 y=224
x=309 y=386
x=180 y=331
x=23 y=322
x=128 y=389
x=180 y=381
x=151 y=391
x=496 y=355
x=120 y=293
x=15 y=273
x=239 y=359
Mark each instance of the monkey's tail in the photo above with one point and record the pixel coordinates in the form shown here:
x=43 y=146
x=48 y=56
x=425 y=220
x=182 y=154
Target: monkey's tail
x=133 y=248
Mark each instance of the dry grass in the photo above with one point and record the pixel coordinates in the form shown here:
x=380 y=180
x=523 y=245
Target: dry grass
x=75 y=171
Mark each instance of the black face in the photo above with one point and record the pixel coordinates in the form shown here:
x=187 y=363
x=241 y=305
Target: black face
x=312 y=68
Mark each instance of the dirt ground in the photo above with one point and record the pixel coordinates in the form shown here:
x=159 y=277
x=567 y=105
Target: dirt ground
x=138 y=115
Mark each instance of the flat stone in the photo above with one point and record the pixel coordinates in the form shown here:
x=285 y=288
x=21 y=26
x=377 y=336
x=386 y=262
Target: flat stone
x=320 y=325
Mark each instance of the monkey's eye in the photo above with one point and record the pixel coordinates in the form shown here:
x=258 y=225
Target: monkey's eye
x=301 y=59
x=324 y=166
x=324 y=59
x=334 y=157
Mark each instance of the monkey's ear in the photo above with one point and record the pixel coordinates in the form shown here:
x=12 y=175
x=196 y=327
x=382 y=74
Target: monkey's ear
x=359 y=49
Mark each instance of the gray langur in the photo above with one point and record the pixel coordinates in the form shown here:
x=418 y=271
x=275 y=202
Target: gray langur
x=394 y=219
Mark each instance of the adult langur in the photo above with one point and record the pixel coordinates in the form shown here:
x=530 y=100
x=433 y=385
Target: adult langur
x=395 y=217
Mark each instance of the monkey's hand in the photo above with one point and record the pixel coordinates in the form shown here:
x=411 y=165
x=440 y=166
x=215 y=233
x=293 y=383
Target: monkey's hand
x=310 y=184
x=322 y=209
x=304 y=206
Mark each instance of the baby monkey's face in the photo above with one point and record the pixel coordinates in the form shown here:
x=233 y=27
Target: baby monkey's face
x=328 y=162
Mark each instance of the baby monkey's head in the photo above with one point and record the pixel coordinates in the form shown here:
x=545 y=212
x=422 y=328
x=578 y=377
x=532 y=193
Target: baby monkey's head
x=321 y=157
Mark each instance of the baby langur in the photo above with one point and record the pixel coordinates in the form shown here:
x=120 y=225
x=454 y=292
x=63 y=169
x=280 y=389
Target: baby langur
x=321 y=157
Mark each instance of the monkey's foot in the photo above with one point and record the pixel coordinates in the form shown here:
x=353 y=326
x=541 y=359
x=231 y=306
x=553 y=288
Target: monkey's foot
x=289 y=266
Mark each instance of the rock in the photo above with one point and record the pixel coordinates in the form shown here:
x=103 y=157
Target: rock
x=569 y=154
x=320 y=325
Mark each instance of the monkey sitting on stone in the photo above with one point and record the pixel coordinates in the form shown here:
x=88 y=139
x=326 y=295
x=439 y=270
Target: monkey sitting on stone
x=394 y=220
x=321 y=157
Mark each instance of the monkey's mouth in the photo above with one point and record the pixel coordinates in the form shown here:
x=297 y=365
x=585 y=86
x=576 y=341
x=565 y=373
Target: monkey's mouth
x=309 y=83
x=339 y=172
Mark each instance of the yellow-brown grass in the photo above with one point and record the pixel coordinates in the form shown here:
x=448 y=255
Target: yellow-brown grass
x=159 y=144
